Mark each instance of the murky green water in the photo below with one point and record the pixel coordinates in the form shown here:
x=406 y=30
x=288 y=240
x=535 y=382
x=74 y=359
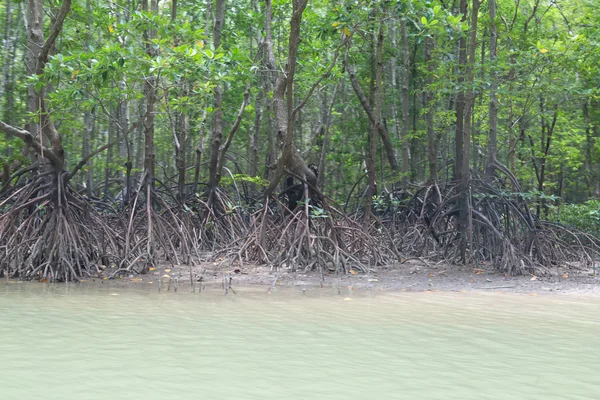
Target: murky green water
x=102 y=342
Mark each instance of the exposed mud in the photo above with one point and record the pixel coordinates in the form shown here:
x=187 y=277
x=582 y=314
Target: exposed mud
x=412 y=275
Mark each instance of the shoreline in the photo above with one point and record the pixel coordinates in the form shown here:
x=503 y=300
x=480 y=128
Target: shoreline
x=411 y=276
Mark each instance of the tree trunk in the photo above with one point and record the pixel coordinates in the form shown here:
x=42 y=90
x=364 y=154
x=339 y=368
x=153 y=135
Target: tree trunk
x=383 y=133
x=430 y=106
x=492 y=149
x=464 y=221
x=35 y=41
x=9 y=39
x=108 y=167
x=589 y=146
x=405 y=103
x=217 y=132
x=283 y=101
x=199 y=149
x=88 y=123
x=150 y=84
x=371 y=173
x=325 y=143
x=460 y=98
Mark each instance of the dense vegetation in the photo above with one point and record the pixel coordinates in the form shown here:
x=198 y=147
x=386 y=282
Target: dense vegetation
x=321 y=135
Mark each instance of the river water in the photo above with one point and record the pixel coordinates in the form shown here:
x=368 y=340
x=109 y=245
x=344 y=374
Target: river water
x=93 y=341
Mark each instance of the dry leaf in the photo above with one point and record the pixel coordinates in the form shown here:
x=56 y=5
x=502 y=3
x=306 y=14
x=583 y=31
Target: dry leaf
x=534 y=278
x=565 y=276
x=353 y=272
x=430 y=275
x=167 y=270
x=166 y=276
x=151 y=269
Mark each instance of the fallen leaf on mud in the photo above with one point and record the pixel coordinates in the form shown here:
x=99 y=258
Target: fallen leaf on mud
x=151 y=269
x=166 y=276
x=565 y=276
x=353 y=272
x=472 y=279
x=167 y=270
x=430 y=275
x=534 y=278
x=347 y=298
x=373 y=280
x=462 y=291
x=478 y=271
x=43 y=280
x=533 y=294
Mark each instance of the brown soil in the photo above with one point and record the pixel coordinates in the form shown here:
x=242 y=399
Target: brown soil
x=412 y=275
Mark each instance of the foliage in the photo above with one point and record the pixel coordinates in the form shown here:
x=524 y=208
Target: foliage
x=585 y=216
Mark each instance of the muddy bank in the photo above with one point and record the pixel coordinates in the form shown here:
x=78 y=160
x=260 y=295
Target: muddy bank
x=413 y=275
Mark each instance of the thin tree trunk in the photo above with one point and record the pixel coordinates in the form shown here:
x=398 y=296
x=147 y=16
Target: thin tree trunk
x=35 y=41
x=10 y=83
x=383 y=133
x=150 y=96
x=372 y=188
x=199 y=150
x=430 y=106
x=405 y=103
x=492 y=149
x=512 y=139
x=88 y=117
x=465 y=227
x=253 y=137
x=325 y=144
x=109 y=153
x=88 y=123
x=589 y=145
x=460 y=98
x=217 y=132
x=9 y=38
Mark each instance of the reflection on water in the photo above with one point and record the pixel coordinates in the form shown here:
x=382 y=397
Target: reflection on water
x=102 y=342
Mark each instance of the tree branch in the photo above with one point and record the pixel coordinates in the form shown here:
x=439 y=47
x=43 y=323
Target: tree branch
x=29 y=140
x=233 y=130
x=54 y=32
